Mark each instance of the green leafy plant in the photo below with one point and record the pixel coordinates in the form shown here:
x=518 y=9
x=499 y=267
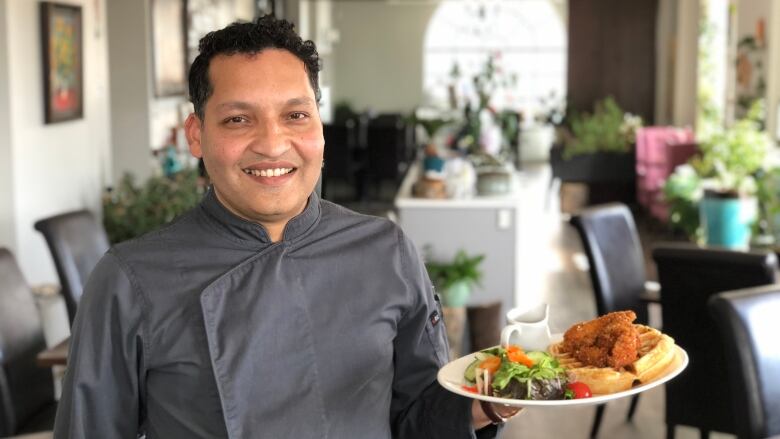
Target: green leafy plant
x=463 y=268
x=731 y=157
x=130 y=211
x=607 y=129
x=769 y=203
x=729 y=163
x=682 y=192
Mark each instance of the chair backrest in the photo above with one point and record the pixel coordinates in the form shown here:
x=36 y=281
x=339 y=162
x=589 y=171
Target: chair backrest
x=339 y=149
x=617 y=263
x=748 y=327
x=390 y=143
x=77 y=241
x=25 y=388
x=689 y=276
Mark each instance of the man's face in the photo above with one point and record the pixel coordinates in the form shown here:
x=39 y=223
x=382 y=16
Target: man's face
x=261 y=137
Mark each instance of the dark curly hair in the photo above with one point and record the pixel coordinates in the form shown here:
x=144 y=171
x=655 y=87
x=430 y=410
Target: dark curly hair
x=249 y=38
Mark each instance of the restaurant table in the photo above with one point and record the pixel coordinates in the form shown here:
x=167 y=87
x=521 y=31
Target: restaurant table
x=54 y=356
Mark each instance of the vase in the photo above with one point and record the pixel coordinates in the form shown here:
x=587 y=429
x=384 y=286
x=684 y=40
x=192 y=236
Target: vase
x=728 y=221
x=457 y=294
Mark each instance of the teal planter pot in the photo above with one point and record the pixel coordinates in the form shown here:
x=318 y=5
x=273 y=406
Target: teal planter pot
x=728 y=221
x=457 y=294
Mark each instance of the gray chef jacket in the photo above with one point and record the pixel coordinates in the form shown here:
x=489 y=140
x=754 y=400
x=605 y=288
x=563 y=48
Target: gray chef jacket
x=207 y=329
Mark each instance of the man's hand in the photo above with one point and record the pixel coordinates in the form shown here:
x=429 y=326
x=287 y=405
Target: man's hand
x=480 y=419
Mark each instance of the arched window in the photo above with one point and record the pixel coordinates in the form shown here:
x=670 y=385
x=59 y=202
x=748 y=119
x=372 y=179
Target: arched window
x=527 y=39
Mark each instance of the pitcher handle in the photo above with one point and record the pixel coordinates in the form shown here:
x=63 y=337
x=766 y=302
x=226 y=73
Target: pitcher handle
x=507 y=332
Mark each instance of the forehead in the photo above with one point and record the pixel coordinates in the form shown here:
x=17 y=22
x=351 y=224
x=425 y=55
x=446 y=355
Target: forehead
x=270 y=69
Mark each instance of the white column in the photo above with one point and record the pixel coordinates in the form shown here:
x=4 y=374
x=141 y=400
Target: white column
x=686 y=63
x=129 y=58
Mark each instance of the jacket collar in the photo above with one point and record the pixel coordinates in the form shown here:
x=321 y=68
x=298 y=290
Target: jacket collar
x=244 y=230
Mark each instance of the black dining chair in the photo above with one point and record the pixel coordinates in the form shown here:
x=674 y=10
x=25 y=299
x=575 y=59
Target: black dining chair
x=689 y=275
x=76 y=241
x=748 y=329
x=391 y=147
x=617 y=269
x=26 y=391
x=343 y=162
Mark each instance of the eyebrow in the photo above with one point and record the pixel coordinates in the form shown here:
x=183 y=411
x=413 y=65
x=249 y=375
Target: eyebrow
x=242 y=105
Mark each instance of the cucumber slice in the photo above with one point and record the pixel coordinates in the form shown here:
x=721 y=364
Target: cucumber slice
x=470 y=374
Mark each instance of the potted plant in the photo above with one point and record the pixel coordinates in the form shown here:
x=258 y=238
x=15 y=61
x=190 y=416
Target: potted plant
x=719 y=188
x=455 y=279
x=598 y=149
x=130 y=210
x=729 y=161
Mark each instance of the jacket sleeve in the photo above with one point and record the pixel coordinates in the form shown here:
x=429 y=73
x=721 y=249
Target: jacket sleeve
x=421 y=408
x=101 y=395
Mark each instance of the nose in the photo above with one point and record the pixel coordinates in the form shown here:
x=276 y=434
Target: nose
x=270 y=140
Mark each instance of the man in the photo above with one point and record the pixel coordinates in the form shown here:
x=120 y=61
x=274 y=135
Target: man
x=265 y=312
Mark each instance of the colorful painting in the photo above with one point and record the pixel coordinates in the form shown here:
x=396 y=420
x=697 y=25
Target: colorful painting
x=62 y=62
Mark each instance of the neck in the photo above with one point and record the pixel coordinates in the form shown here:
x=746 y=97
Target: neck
x=275 y=231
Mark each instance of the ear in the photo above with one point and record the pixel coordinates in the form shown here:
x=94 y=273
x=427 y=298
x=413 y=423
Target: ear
x=192 y=128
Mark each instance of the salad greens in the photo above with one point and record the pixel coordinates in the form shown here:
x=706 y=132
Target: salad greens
x=521 y=375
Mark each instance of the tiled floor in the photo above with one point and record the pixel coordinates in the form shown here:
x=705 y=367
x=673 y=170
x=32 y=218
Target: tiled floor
x=550 y=269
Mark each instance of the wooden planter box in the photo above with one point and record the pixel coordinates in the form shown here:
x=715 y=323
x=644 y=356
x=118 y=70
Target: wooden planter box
x=609 y=176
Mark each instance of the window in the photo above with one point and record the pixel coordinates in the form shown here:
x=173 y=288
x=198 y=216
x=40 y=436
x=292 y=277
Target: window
x=527 y=39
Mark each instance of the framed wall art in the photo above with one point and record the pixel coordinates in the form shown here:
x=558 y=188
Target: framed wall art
x=61 y=34
x=169 y=47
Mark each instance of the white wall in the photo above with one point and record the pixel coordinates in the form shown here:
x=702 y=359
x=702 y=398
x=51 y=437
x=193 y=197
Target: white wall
x=6 y=169
x=56 y=167
x=379 y=53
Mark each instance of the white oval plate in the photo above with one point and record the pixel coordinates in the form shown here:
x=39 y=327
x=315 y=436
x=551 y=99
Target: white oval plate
x=451 y=378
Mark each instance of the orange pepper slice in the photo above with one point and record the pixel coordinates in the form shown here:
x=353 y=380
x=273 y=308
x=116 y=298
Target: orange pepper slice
x=491 y=364
x=516 y=355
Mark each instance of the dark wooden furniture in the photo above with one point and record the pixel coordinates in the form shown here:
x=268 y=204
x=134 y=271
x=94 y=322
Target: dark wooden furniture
x=609 y=176
x=54 y=356
x=612 y=47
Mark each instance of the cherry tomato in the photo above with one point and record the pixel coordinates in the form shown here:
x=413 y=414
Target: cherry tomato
x=472 y=389
x=580 y=389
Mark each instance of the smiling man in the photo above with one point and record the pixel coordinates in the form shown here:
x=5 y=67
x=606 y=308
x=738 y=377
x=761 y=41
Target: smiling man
x=264 y=312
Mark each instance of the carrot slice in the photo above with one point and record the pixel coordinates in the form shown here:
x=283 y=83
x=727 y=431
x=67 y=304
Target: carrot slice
x=516 y=355
x=491 y=364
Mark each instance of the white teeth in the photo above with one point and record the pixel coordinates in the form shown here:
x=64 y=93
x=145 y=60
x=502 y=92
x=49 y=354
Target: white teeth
x=275 y=172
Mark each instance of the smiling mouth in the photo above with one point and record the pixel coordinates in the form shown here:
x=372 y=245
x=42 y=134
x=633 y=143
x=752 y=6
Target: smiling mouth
x=271 y=172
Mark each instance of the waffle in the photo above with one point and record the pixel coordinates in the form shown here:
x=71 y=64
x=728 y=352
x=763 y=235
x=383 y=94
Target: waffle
x=655 y=355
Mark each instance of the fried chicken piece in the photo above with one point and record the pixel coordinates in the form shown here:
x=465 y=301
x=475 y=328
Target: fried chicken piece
x=608 y=341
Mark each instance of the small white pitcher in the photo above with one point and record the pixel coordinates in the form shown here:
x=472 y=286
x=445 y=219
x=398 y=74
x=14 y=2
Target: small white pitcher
x=528 y=328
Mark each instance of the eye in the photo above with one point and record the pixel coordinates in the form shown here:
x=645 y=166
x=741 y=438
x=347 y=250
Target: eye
x=298 y=115
x=235 y=120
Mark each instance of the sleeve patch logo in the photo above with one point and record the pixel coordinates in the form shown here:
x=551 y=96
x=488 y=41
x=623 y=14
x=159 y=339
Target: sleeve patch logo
x=434 y=318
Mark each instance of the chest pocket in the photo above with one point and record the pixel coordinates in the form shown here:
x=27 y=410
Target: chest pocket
x=437 y=333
